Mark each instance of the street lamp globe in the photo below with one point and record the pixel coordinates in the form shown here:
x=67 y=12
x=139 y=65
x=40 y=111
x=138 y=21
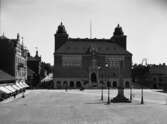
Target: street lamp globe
x=98 y=67
x=106 y=65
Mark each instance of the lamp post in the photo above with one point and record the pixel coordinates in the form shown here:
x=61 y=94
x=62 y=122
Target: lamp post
x=66 y=86
x=99 y=67
x=102 y=92
x=102 y=88
x=131 y=93
x=142 y=100
x=120 y=96
x=108 y=86
x=23 y=94
x=143 y=60
x=108 y=101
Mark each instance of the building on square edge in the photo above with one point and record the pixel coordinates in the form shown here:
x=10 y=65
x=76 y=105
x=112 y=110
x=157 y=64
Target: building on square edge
x=90 y=63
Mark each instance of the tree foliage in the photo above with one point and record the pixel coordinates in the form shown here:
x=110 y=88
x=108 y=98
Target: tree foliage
x=140 y=73
x=46 y=68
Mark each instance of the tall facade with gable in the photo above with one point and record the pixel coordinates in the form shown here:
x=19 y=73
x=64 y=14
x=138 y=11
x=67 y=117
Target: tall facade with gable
x=91 y=63
x=13 y=57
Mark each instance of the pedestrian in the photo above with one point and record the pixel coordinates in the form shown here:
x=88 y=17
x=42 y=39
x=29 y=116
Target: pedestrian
x=66 y=88
x=14 y=95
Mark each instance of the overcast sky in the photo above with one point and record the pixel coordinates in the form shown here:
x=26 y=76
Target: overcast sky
x=143 y=21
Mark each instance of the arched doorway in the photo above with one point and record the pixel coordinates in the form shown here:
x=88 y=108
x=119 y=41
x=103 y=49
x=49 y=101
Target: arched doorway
x=127 y=84
x=108 y=84
x=114 y=84
x=93 y=77
x=72 y=84
x=65 y=84
x=78 y=84
x=58 y=83
x=155 y=86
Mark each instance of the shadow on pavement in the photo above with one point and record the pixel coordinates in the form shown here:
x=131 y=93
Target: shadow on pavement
x=99 y=102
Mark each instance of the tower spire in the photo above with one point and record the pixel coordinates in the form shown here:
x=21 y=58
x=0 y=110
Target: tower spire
x=36 y=55
x=18 y=36
x=118 y=31
x=61 y=29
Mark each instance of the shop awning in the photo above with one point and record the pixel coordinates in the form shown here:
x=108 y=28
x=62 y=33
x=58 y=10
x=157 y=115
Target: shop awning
x=5 y=90
x=26 y=85
x=16 y=87
x=10 y=88
x=20 y=86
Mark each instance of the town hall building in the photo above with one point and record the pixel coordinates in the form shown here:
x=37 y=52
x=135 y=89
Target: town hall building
x=91 y=63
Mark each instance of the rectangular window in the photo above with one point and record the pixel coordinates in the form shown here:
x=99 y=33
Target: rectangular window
x=71 y=60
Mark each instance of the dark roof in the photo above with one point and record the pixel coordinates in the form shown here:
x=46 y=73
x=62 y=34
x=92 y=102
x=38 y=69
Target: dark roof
x=82 y=46
x=5 y=76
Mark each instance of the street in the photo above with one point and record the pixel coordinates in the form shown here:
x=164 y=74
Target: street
x=83 y=107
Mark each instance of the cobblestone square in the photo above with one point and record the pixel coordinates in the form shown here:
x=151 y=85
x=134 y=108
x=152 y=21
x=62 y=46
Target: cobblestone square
x=83 y=107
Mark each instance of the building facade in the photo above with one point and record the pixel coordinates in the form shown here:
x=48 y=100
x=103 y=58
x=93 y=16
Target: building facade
x=13 y=58
x=91 y=63
x=34 y=67
x=157 y=77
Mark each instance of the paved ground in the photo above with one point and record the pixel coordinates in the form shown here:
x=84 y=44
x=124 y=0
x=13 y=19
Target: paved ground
x=83 y=107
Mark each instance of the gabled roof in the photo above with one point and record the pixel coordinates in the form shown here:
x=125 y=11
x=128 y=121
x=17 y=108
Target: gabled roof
x=82 y=46
x=5 y=76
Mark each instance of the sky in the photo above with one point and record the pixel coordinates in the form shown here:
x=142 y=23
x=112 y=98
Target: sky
x=143 y=21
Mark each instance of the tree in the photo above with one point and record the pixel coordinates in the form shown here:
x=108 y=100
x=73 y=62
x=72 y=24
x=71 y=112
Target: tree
x=46 y=68
x=140 y=73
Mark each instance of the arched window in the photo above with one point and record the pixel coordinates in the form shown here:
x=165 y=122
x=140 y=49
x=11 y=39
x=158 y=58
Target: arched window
x=78 y=84
x=58 y=84
x=71 y=83
x=127 y=84
x=155 y=86
x=65 y=83
x=93 y=77
x=114 y=84
x=108 y=84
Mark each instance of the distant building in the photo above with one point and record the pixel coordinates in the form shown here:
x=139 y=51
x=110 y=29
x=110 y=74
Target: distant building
x=34 y=65
x=158 y=76
x=30 y=77
x=13 y=58
x=91 y=63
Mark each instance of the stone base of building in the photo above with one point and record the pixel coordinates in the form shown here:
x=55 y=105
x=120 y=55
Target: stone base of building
x=120 y=99
x=77 y=83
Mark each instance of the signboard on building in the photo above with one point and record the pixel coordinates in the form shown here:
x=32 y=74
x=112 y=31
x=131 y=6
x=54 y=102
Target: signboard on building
x=71 y=60
x=113 y=60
